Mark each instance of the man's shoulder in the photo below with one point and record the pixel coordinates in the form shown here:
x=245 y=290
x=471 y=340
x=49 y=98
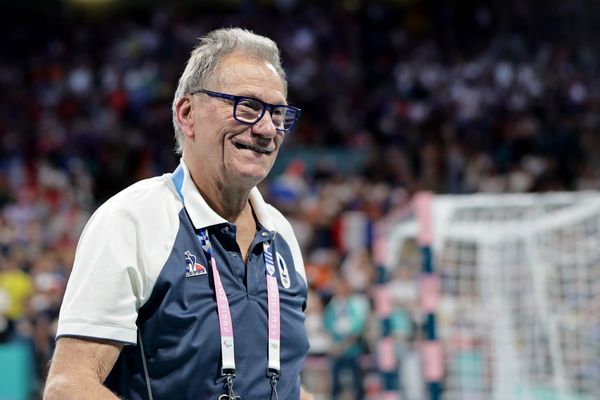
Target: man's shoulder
x=274 y=212
x=146 y=188
x=282 y=225
x=145 y=192
x=284 y=228
x=145 y=199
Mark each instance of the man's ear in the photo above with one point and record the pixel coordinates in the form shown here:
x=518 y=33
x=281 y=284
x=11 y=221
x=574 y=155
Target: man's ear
x=184 y=114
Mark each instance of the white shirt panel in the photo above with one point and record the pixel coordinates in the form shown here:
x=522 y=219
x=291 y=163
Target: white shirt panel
x=273 y=220
x=119 y=256
x=284 y=228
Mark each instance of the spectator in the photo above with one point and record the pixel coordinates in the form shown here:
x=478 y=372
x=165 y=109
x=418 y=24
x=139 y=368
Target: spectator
x=345 y=318
x=16 y=287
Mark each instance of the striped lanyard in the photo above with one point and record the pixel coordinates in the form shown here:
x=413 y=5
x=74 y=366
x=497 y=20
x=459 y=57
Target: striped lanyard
x=224 y=314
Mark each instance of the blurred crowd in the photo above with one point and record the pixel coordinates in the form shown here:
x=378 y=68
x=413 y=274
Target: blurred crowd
x=457 y=98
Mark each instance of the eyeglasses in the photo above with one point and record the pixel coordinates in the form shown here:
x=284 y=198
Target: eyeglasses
x=249 y=110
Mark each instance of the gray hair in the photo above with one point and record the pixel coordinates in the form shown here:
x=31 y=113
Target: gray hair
x=207 y=54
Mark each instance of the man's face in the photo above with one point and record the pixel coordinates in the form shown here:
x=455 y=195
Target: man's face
x=224 y=149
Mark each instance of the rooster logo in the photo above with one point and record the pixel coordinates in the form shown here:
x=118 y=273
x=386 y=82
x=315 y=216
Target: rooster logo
x=192 y=268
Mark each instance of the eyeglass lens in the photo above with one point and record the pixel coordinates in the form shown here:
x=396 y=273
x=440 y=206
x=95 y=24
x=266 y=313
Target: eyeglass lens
x=250 y=111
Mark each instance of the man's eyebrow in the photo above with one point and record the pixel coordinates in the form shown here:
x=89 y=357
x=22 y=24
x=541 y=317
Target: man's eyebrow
x=257 y=97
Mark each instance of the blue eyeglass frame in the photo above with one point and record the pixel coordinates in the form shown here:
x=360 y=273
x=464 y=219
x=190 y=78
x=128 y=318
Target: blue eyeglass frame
x=265 y=106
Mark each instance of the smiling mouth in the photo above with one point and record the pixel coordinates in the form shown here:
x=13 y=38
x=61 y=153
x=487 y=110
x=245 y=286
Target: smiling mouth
x=261 y=150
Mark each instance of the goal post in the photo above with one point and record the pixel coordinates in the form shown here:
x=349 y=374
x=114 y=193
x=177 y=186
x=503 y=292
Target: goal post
x=519 y=309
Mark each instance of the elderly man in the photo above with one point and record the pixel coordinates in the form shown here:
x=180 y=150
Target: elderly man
x=189 y=285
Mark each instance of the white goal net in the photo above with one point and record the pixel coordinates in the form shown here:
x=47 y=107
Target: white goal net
x=519 y=316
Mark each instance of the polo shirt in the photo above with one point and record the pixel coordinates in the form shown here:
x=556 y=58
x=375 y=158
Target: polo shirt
x=140 y=277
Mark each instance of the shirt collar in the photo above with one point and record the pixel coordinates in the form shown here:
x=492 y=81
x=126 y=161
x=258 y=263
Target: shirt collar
x=199 y=211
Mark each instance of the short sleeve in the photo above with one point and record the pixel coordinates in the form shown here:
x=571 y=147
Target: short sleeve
x=103 y=292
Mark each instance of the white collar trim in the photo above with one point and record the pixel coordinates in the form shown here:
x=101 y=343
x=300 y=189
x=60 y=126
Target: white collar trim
x=203 y=216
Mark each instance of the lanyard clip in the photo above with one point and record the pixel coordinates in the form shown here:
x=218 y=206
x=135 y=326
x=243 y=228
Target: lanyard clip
x=274 y=374
x=229 y=388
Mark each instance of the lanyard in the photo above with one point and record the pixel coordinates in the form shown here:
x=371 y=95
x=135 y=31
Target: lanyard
x=225 y=324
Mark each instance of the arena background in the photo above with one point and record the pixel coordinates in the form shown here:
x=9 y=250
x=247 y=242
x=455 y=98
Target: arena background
x=397 y=97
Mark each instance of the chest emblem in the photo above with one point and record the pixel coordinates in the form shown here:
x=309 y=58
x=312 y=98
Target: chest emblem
x=284 y=274
x=192 y=268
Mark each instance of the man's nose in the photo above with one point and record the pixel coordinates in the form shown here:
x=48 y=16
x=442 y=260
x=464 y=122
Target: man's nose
x=265 y=126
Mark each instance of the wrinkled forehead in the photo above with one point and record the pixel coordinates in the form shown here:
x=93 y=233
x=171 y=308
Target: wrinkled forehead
x=237 y=70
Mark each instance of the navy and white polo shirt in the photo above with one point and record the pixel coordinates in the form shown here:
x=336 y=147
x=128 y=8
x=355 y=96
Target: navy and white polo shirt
x=139 y=271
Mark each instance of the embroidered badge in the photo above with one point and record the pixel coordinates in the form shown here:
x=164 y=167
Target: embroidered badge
x=192 y=268
x=284 y=274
